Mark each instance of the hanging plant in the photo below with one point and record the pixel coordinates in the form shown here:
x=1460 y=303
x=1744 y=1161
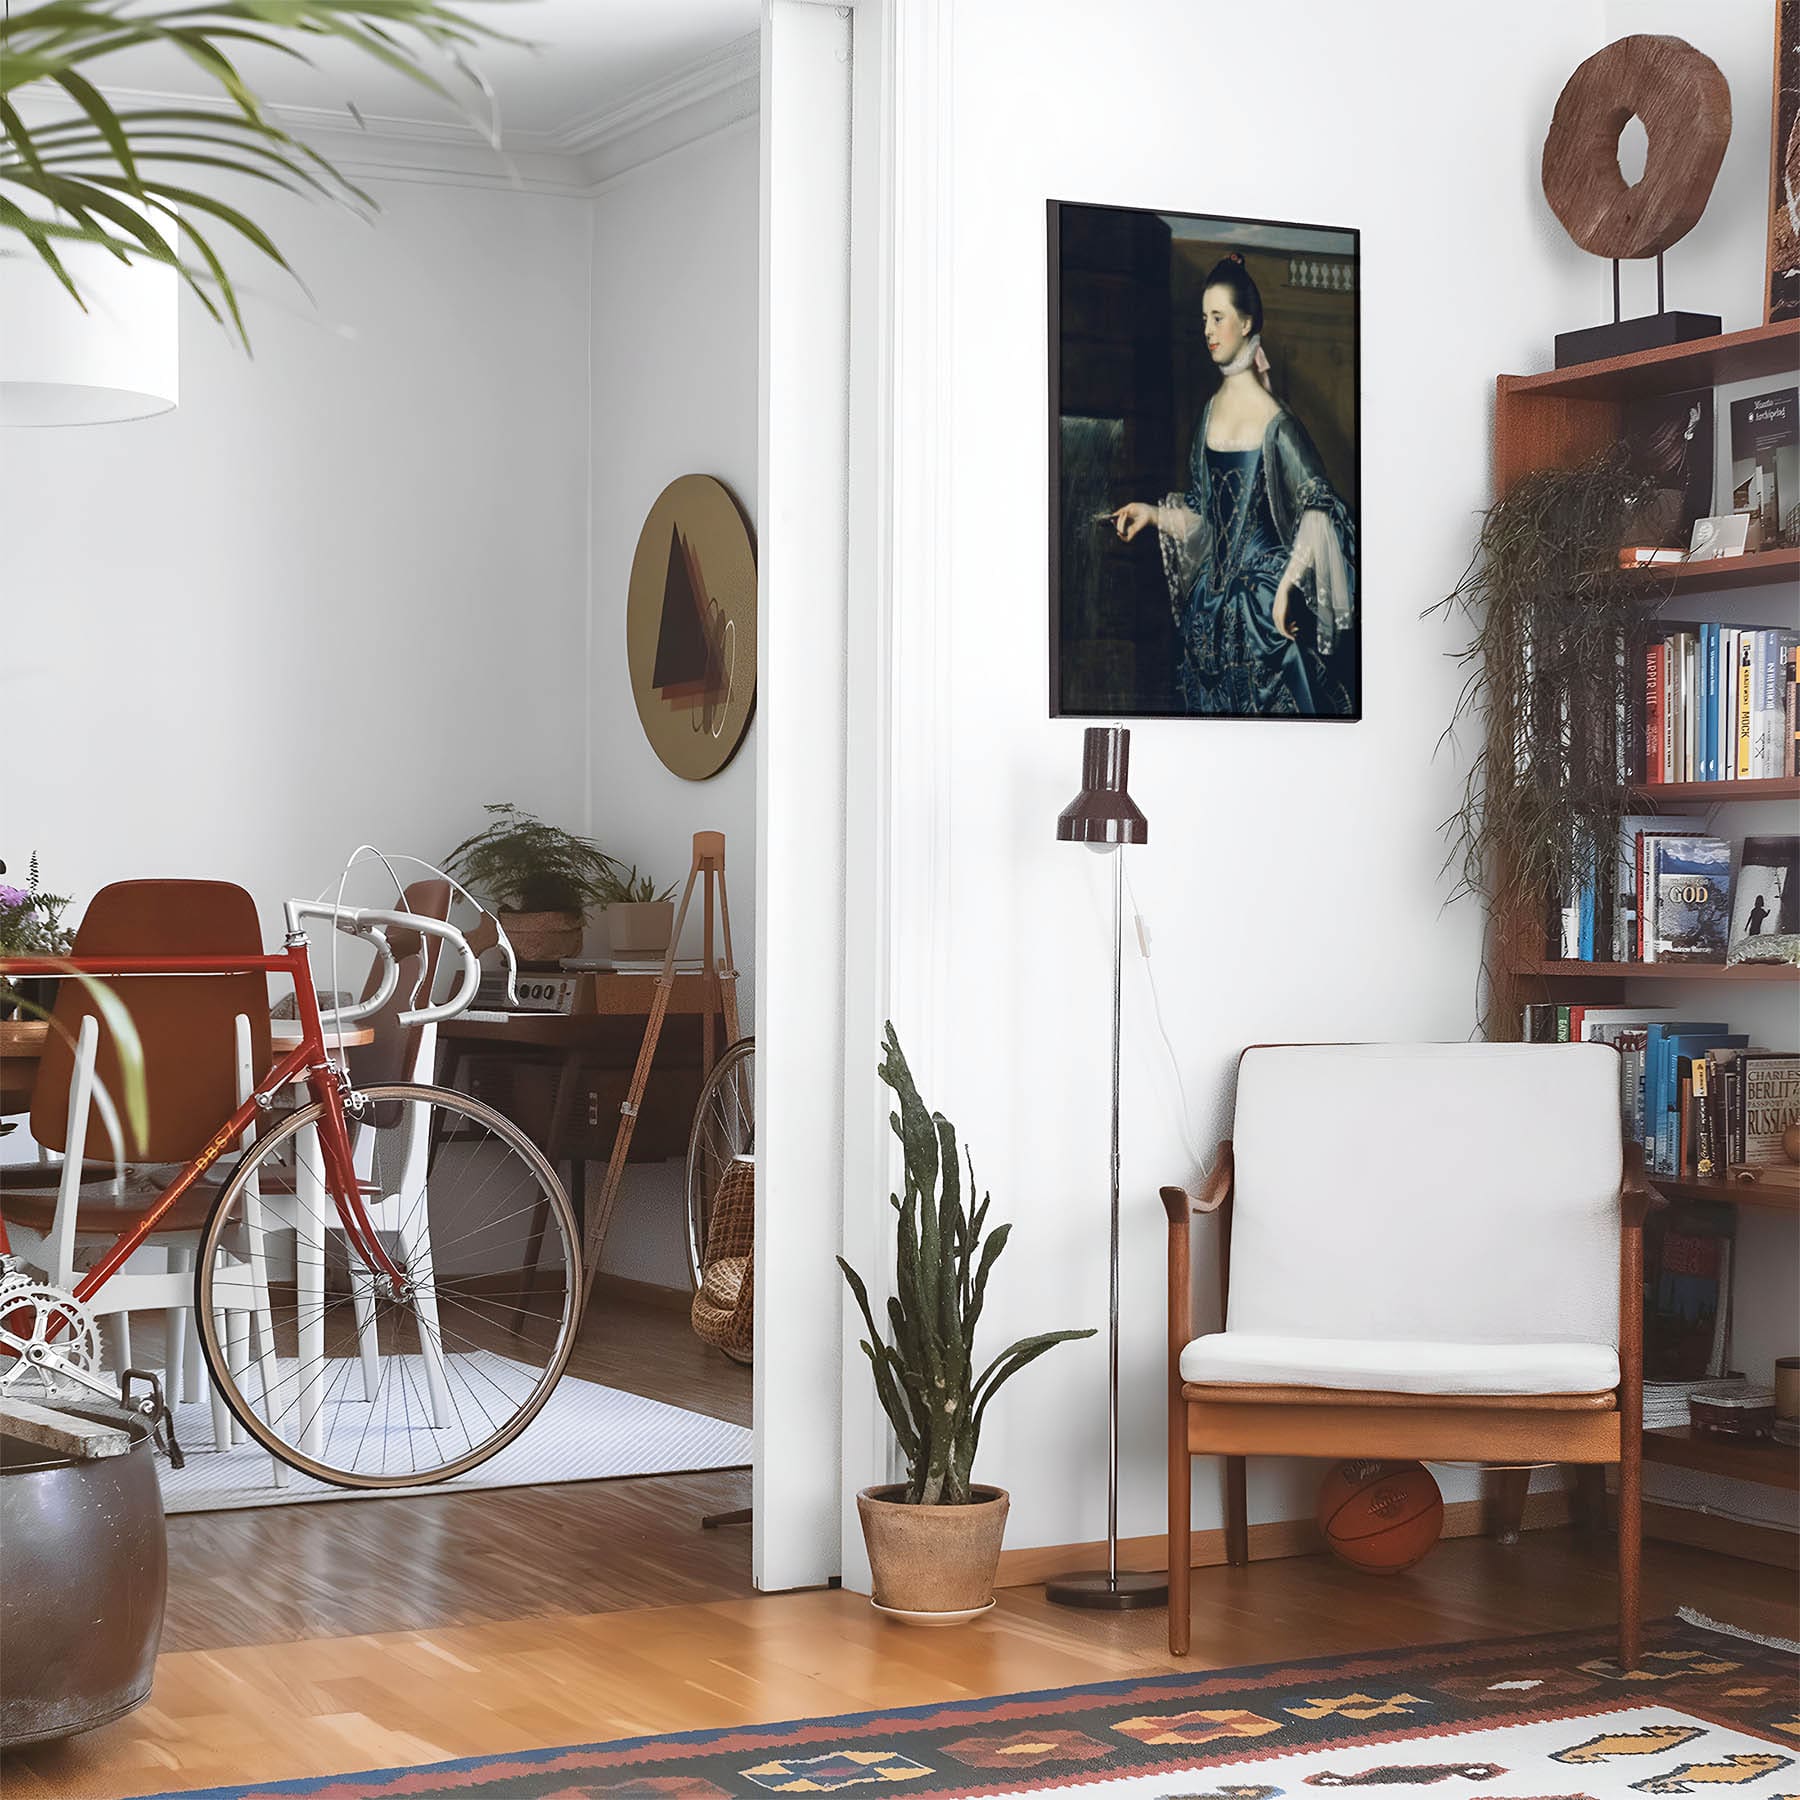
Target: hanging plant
x=1550 y=681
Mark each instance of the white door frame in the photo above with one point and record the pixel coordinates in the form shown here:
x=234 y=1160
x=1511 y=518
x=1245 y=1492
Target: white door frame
x=853 y=812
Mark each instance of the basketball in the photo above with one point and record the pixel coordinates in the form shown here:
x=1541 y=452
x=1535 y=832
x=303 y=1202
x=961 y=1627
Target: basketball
x=1380 y=1517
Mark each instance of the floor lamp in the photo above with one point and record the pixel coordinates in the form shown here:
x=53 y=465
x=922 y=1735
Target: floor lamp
x=1104 y=817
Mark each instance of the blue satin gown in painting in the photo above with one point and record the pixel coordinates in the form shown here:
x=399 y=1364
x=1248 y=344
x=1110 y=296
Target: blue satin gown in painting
x=1240 y=521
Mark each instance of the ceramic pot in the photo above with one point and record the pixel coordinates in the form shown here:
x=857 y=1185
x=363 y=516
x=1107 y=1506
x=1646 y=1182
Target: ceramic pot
x=640 y=928
x=540 y=940
x=933 y=1564
x=81 y=1608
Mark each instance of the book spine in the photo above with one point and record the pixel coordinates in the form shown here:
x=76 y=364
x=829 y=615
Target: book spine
x=1562 y=1024
x=1653 y=715
x=1705 y=1163
x=1669 y=707
x=1647 y=904
x=1742 y=753
x=1685 y=743
x=1727 y=744
x=1791 y=748
x=1709 y=702
x=1684 y=1124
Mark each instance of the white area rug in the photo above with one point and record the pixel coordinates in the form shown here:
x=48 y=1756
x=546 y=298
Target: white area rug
x=586 y=1432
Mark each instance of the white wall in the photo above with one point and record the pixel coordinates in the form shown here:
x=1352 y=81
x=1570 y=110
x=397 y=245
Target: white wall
x=377 y=526
x=674 y=336
x=1292 y=878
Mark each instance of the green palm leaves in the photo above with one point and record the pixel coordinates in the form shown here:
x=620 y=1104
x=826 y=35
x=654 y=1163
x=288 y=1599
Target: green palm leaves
x=137 y=183
x=926 y=1375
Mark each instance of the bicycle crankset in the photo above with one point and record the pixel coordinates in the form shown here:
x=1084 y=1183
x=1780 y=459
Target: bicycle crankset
x=46 y=1333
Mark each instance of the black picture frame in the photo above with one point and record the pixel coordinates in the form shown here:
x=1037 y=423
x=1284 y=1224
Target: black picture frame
x=1120 y=359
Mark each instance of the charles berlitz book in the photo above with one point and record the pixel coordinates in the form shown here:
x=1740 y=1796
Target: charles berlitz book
x=1765 y=460
x=1690 y=880
x=1770 y=1101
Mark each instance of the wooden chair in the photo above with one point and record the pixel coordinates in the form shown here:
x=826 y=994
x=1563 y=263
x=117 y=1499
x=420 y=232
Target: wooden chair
x=1429 y=1251
x=204 y=1040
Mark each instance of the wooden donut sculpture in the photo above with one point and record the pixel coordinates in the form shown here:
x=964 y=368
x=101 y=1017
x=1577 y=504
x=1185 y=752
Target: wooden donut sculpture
x=1685 y=104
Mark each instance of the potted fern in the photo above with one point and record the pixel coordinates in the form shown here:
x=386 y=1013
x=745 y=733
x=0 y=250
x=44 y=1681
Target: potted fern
x=934 y=1539
x=542 y=878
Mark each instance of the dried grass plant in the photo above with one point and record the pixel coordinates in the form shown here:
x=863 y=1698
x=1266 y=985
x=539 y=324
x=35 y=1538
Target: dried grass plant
x=1551 y=669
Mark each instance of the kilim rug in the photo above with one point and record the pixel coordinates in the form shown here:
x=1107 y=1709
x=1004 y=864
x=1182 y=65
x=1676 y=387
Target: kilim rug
x=1543 y=1718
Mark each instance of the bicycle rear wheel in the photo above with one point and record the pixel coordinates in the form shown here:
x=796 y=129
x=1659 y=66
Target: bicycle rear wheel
x=724 y=1127
x=344 y=1374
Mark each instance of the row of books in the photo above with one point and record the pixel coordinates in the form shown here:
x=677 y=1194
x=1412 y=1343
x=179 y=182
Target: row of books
x=1699 y=1097
x=1677 y=894
x=1719 y=704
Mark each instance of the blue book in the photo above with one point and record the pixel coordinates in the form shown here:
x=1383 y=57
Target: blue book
x=1654 y=1101
x=1709 y=704
x=1585 y=944
x=1683 y=1039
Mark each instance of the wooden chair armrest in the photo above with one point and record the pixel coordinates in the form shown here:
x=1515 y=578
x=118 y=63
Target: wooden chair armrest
x=1636 y=1196
x=1180 y=1205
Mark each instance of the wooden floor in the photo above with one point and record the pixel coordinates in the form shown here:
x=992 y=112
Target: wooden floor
x=282 y=1573
x=336 y=1704
x=315 y=1640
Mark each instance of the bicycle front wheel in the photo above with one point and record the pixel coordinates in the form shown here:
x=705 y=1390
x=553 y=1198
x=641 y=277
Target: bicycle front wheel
x=358 y=1379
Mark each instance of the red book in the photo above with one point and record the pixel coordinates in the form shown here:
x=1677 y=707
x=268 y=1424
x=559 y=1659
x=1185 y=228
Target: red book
x=1653 y=714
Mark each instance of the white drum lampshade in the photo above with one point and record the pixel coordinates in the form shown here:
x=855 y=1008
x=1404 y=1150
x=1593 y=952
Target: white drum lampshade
x=61 y=366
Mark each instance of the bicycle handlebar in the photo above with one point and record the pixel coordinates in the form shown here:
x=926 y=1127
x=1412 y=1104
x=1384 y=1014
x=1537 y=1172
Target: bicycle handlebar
x=373 y=924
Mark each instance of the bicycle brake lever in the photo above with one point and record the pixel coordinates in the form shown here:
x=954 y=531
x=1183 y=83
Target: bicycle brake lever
x=156 y=1410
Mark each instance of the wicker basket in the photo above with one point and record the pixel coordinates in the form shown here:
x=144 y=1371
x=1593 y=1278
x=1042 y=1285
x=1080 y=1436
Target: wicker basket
x=722 y=1312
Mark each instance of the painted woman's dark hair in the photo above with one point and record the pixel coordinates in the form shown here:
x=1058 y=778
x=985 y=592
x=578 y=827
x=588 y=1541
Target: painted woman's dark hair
x=1229 y=273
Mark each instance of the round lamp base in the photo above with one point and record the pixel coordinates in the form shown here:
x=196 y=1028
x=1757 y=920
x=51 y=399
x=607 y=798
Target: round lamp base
x=1099 y=1592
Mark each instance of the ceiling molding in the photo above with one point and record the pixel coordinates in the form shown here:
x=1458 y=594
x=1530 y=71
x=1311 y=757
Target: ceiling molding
x=722 y=73
x=707 y=96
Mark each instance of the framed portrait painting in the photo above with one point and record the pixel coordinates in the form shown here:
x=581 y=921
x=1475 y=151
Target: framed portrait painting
x=1204 y=466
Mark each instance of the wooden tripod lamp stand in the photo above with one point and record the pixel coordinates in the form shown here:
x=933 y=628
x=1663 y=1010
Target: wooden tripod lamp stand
x=720 y=977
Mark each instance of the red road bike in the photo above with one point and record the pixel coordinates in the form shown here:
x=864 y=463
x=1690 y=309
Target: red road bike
x=388 y=1279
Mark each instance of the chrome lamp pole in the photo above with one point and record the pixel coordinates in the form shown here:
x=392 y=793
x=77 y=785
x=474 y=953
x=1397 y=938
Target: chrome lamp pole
x=1104 y=817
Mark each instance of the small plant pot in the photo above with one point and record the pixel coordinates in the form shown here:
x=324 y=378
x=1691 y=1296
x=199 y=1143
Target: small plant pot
x=933 y=1565
x=640 y=927
x=540 y=940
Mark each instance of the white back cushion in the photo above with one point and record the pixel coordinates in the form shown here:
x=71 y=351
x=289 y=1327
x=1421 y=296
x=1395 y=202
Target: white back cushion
x=1457 y=1192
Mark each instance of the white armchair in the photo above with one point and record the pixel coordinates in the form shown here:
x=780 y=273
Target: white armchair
x=1426 y=1251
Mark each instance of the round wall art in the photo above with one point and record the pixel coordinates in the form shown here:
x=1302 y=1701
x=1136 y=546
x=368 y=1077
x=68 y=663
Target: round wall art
x=690 y=626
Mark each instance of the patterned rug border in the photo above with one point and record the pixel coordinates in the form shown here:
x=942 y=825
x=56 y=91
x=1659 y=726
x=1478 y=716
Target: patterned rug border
x=1198 y=1684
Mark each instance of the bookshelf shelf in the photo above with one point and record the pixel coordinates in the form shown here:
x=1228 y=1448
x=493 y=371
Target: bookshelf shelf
x=1758 y=569
x=1772 y=1197
x=1764 y=350
x=1758 y=1460
x=1656 y=971
x=1776 y=787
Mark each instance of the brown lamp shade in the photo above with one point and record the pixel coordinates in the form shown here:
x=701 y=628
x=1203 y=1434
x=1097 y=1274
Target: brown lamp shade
x=1103 y=812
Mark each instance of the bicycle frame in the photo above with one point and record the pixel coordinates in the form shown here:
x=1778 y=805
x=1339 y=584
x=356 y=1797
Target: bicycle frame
x=309 y=1060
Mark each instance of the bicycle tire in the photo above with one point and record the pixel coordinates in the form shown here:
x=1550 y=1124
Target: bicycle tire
x=708 y=1151
x=231 y=1214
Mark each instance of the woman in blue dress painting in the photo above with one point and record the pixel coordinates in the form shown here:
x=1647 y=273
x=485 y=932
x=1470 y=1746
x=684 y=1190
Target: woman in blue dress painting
x=1260 y=550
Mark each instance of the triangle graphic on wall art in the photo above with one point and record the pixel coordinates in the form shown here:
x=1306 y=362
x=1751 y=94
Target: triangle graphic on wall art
x=687 y=668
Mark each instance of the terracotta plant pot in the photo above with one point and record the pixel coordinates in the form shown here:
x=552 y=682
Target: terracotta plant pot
x=542 y=939
x=933 y=1560
x=640 y=928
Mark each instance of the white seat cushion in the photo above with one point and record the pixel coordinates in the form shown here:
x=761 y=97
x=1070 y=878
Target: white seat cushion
x=1397 y=1366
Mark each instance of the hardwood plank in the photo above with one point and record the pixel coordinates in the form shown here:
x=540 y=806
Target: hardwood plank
x=325 y=1707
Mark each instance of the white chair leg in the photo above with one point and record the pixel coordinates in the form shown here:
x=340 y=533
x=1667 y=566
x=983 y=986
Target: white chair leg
x=193 y=1360
x=115 y=1332
x=368 y=1344
x=237 y=1359
x=261 y=1318
x=222 y=1421
x=175 y=1329
x=415 y=1254
x=309 y=1269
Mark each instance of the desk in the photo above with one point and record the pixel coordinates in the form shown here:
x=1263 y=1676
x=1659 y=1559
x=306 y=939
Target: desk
x=561 y=1077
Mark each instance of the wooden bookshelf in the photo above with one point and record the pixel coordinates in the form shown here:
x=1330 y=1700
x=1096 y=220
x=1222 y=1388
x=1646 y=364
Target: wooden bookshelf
x=1762 y=351
x=1765 y=1197
x=1759 y=568
x=1713 y=793
x=1743 y=1459
x=1551 y=970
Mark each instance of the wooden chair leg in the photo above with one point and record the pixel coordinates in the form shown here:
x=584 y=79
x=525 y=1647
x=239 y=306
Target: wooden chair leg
x=1237 y=1513
x=1506 y=1501
x=1590 y=1499
x=1181 y=1555
x=1630 y=1548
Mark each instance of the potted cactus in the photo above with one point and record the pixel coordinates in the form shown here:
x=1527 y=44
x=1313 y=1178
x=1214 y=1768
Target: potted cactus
x=934 y=1539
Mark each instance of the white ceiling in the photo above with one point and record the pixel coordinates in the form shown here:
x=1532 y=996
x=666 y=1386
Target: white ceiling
x=590 y=59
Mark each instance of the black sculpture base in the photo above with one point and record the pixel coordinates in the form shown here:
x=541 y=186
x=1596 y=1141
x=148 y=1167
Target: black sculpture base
x=1625 y=337
x=1126 y=1592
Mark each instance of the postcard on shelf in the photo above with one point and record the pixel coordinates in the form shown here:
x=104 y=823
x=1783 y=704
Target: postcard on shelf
x=1767 y=899
x=1722 y=535
x=1765 y=459
x=1670 y=440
